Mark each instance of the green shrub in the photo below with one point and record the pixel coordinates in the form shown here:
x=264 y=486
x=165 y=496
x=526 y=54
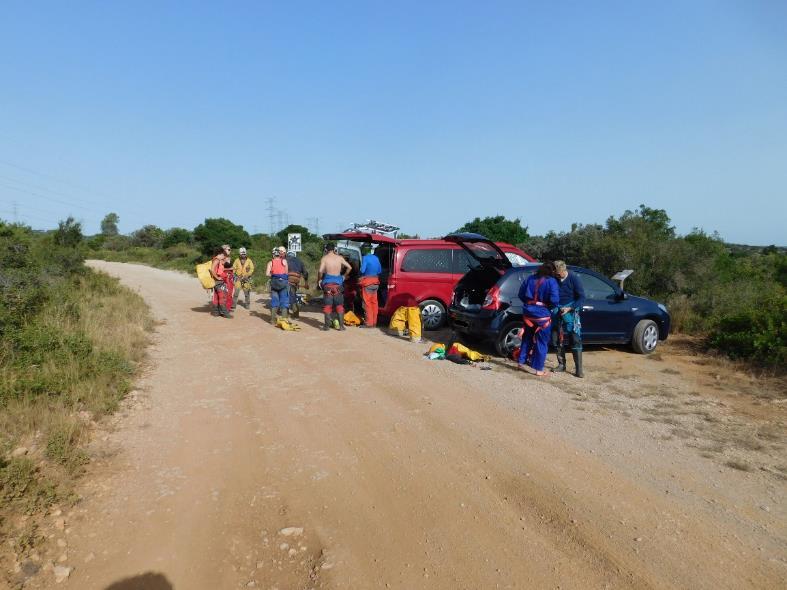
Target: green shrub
x=758 y=332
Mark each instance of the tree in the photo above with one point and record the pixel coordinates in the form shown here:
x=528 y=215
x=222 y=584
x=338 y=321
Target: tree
x=68 y=233
x=148 y=236
x=497 y=229
x=175 y=236
x=213 y=233
x=109 y=225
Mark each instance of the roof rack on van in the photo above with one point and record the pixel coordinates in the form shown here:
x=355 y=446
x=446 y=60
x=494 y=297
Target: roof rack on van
x=374 y=227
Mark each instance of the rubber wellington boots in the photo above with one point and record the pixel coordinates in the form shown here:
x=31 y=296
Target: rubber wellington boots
x=274 y=316
x=327 y=325
x=578 y=363
x=561 y=360
x=341 y=322
x=248 y=299
x=285 y=313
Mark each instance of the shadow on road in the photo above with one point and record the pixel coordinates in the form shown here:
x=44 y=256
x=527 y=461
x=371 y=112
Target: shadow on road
x=148 y=581
x=207 y=308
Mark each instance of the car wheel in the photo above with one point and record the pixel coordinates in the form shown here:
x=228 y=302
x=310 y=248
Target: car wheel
x=432 y=314
x=646 y=337
x=508 y=339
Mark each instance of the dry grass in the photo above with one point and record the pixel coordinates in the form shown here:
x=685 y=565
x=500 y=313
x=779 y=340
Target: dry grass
x=69 y=388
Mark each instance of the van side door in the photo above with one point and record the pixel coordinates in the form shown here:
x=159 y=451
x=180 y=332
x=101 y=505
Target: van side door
x=424 y=273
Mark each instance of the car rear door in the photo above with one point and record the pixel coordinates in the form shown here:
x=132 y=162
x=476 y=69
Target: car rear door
x=483 y=250
x=605 y=314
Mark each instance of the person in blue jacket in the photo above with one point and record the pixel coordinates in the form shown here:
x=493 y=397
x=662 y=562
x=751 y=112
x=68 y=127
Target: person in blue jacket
x=539 y=295
x=369 y=282
x=568 y=328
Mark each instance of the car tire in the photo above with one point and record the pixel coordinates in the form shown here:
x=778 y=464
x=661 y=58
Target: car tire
x=432 y=314
x=505 y=343
x=646 y=337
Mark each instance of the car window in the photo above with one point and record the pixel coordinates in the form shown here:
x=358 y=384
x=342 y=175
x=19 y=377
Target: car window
x=516 y=259
x=513 y=281
x=595 y=288
x=463 y=262
x=429 y=260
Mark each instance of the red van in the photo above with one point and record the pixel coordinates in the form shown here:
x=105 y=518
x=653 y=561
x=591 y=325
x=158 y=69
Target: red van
x=415 y=272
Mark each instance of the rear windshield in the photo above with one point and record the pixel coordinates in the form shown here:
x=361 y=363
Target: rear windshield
x=513 y=279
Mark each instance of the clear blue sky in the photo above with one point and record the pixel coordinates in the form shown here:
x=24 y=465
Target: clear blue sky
x=423 y=114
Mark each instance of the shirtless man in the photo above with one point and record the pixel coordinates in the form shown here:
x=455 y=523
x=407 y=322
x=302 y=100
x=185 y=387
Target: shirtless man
x=333 y=270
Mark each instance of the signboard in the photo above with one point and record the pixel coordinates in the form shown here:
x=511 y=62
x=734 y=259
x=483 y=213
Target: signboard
x=294 y=242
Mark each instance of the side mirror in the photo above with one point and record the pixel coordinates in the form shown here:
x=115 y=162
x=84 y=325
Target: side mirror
x=621 y=295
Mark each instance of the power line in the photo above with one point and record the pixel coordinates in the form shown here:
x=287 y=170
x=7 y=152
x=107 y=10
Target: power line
x=55 y=178
x=47 y=197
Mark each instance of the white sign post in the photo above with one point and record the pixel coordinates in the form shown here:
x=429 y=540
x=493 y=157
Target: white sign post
x=293 y=242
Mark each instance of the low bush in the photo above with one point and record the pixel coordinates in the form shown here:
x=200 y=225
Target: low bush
x=70 y=339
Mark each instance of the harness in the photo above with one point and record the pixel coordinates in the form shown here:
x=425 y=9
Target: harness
x=537 y=323
x=331 y=289
x=370 y=283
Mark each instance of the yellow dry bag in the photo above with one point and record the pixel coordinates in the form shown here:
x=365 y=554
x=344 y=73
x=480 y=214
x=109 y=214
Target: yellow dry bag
x=204 y=276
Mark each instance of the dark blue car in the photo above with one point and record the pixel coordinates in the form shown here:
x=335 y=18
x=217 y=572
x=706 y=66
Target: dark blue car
x=486 y=306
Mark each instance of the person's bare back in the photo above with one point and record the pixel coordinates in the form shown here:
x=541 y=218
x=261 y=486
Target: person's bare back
x=333 y=264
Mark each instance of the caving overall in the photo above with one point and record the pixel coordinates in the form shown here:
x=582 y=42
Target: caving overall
x=540 y=295
x=243 y=271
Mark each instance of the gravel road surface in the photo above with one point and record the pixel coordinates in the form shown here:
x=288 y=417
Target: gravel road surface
x=249 y=457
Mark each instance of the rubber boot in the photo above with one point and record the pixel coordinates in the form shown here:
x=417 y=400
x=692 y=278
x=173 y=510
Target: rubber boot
x=223 y=312
x=274 y=316
x=561 y=360
x=342 y=327
x=327 y=325
x=235 y=299
x=578 y=363
x=285 y=313
x=248 y=299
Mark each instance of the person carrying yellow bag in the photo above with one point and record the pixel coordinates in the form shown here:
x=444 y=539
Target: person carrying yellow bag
x=409 y=317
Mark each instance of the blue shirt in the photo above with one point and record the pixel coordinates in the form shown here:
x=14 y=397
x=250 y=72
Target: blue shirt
x=571 y=290
x=370 y=266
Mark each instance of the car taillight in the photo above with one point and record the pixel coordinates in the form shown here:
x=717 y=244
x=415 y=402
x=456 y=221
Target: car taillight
x=492 y=299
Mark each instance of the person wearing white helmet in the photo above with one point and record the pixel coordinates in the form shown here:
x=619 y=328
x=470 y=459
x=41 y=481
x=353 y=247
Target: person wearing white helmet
x=278 y=271
x=244 y=269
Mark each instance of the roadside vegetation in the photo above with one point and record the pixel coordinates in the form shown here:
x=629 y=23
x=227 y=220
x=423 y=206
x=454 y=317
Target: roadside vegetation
x=70 y=342
x=182 y=249
x=733 y=297
x=730 y=296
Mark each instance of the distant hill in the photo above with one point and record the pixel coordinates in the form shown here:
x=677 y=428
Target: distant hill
x=746 y=249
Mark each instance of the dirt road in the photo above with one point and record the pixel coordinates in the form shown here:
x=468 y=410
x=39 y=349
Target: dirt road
x=252 y=457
